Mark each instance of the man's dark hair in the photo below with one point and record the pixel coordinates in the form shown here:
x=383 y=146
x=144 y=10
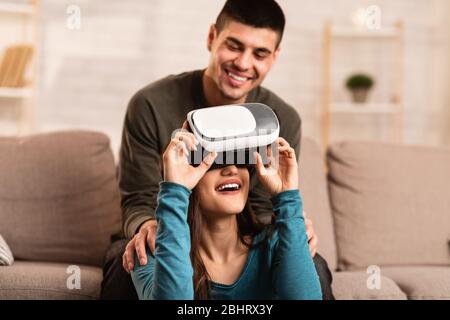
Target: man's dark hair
x=255 y=13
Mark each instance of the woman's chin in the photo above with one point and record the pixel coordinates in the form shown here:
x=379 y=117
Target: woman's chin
x=231 y=210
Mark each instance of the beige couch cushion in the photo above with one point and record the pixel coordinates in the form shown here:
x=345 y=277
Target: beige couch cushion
x=390 y=203
x=59 y=198
x=38 y=280
x=426 y=282
x=352 y=285
x=314 y=189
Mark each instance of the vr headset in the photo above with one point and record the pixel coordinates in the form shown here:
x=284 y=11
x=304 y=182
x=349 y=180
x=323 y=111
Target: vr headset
x=235 y=132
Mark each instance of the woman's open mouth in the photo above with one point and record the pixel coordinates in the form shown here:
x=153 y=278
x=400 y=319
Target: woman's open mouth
x=229 y=188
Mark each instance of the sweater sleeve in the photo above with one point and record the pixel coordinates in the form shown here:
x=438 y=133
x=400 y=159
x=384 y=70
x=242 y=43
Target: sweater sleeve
x=139 y=164
x=293 y=273
x=168 y=274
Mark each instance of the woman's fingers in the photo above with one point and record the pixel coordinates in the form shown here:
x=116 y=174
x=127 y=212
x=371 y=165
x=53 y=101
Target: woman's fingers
x=282 y=142
x=287 y=151
x=188 y=138
x=259 y=164
x=185 y=125
x=269 y=151
x=179 y=147
x=206 y=163
x=184 y=141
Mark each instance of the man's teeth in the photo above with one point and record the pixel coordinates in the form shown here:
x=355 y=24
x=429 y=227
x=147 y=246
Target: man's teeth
x=236 y=77
x=234 y=186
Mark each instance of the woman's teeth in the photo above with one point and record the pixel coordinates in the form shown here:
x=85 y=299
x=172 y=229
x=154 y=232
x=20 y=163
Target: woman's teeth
x=232 y=186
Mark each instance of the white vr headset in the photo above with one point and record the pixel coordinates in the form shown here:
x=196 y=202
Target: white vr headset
x=234 y=132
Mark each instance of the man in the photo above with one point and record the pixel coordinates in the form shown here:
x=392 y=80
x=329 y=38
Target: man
x=244 y=45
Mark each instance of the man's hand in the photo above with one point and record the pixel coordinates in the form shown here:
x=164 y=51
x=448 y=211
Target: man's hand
x=146 y=235
x=312 y=237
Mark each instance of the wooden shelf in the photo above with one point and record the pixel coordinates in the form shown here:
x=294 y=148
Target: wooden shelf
x=25 y=17
x=6 y=92
x=351 y=32
x=365 y=108
x=332 y=108
x=17 y=8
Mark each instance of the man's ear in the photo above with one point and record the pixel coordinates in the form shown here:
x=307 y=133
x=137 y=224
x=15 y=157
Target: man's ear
x=276 y=53
x=212 y=34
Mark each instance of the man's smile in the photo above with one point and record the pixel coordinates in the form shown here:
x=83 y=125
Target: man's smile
x=237 y=79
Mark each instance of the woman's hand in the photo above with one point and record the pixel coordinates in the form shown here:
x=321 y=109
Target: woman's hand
x=175 y=161
x=279 y=178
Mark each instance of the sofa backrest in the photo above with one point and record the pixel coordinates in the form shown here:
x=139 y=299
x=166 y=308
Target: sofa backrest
x=391 y=204
x=314 y=190
x=59 y=198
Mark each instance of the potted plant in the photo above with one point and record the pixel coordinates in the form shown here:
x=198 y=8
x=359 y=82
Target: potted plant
x=360 y=84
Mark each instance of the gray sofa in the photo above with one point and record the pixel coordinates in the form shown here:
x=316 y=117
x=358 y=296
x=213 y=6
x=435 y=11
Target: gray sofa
x=377 y=205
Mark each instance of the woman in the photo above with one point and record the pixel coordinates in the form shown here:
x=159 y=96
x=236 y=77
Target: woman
x=209 y=245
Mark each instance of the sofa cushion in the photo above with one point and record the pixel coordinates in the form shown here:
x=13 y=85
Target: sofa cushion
x=44 y=280
x=390 y=204
x=59 y=198
x=421 y=282
x=6 y=256
x=314 y=189
x=352 y=285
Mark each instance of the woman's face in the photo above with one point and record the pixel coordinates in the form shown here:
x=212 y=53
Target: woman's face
x=223 y=191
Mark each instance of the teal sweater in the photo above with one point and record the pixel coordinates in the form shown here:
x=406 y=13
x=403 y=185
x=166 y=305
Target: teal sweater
x=281 y=268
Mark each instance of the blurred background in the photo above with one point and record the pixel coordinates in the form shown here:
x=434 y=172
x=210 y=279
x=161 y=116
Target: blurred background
x=353 y=69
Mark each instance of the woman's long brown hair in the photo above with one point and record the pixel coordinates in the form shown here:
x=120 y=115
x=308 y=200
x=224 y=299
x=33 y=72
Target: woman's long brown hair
x=248 y=225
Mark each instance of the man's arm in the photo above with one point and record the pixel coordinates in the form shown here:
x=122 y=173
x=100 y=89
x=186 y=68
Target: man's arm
x=139 y=165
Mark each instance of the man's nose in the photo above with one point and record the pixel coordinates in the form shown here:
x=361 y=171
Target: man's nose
x=243 y=61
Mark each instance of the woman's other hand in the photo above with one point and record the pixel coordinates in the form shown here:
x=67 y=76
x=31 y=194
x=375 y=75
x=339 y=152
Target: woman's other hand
x=281 y=177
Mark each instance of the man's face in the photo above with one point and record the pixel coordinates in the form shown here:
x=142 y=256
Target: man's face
x=241 y=56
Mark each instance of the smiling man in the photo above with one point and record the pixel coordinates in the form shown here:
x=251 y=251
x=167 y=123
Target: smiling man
x=241 y=56
x=244 y=43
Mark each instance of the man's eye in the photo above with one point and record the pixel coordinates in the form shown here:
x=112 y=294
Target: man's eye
x=261 y=56
x=233 y=48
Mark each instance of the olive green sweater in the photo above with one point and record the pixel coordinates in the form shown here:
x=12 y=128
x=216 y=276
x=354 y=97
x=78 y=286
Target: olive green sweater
x=153 y=113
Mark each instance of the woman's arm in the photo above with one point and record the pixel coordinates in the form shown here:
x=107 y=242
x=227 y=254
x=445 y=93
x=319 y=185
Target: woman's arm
x=293 y=275
x=168 y=275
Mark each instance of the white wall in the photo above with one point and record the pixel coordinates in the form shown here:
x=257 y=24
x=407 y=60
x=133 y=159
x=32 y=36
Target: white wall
x=88 y=75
